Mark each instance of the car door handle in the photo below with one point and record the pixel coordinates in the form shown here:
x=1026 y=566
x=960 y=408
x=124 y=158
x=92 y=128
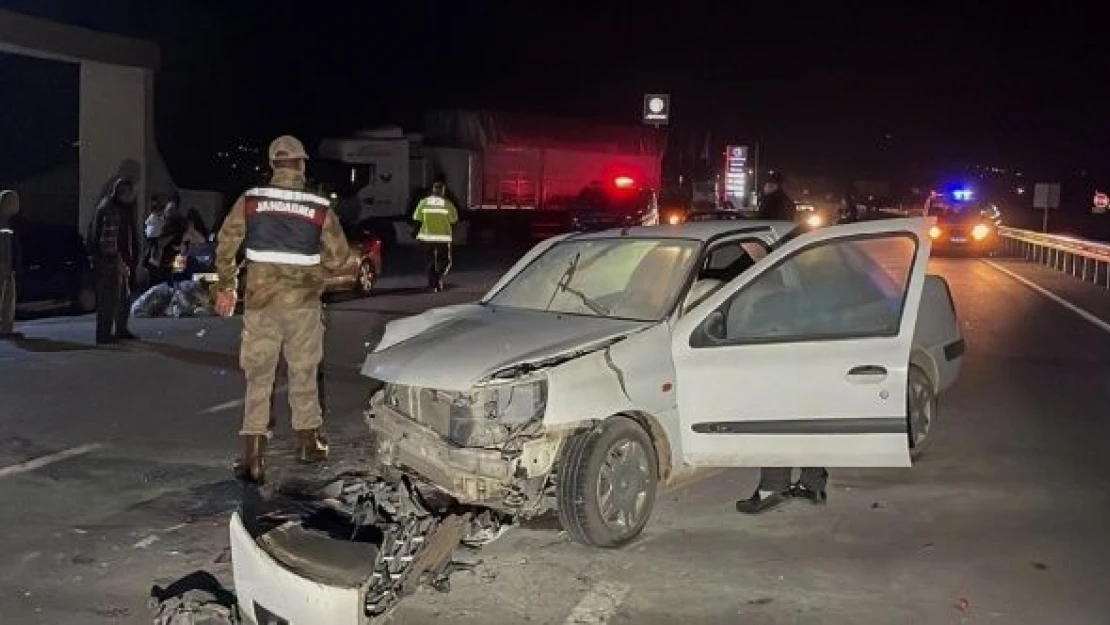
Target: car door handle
x=867 y=373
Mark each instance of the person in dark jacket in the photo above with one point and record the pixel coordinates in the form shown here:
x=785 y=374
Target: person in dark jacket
x=113 y=243
x=9 y=264
x=775 y=204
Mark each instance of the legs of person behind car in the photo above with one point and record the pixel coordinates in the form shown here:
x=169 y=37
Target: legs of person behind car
x=775 y=488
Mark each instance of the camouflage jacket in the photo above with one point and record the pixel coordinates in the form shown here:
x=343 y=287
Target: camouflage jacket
x=271 y=284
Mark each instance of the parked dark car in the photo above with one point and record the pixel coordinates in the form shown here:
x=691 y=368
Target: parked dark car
x=54 y=271
x=359 y=274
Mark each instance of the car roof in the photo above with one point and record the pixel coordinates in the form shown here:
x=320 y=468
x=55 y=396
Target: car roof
x=696 y=230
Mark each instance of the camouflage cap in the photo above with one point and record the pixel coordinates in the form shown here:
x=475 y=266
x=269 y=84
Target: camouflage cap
x=287 y=147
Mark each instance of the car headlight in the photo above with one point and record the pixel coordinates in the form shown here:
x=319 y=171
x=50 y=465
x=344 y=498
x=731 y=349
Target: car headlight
x=674 y=219
x=515 y=404
x=980 y=232
x=815 y=220
x=934 y=232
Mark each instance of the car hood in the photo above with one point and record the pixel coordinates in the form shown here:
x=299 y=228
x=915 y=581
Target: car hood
x=456 y=347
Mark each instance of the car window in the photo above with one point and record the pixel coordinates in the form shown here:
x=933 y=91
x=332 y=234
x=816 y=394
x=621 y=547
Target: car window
x=622 y=278
x=838 y=289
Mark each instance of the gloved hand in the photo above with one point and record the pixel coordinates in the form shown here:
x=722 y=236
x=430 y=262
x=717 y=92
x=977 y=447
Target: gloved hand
x=225 y=303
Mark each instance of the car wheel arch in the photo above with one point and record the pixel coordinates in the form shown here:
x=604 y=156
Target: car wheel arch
x=922 y=360
x=660 y=442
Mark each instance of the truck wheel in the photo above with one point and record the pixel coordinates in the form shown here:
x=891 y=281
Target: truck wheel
x=607 y=481
x=921 y=410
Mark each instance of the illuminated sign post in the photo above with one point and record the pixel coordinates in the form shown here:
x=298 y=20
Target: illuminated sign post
x=657 y=109
x=736 y=175
x=1101 y=202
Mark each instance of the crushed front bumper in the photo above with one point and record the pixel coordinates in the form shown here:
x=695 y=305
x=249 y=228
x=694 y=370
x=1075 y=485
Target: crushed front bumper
x=270 y=593
x=472 y=475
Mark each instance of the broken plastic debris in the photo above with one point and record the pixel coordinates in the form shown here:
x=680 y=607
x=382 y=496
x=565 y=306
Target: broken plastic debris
x=201 y=332
x=146 y=542
x=963 y=605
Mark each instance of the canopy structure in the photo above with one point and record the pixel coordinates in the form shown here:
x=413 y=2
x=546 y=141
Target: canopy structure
x=116 y=111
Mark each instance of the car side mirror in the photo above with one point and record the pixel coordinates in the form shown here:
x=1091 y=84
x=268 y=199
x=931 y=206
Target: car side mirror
x=714 y=327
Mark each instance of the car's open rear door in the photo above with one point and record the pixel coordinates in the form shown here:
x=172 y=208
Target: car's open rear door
x=803 y=359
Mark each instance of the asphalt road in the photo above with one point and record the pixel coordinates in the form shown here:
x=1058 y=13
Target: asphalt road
x=1003 y=521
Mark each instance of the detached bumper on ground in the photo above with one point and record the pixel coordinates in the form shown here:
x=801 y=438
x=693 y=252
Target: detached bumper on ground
x=268 y=592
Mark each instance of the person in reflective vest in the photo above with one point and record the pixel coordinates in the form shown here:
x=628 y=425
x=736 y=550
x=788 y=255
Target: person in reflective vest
x=436 y=216
x=290 y=236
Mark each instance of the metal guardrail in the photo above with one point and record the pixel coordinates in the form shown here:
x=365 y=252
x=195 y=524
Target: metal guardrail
x=1083 y=259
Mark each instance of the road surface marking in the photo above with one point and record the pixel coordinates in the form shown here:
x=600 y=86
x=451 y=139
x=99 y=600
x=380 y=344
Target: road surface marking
x=236 y=403
x=599 y=605
x=1052 y=296
x=43 y=461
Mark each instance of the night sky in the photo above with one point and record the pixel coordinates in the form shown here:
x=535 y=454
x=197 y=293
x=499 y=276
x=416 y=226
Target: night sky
x=845 y=90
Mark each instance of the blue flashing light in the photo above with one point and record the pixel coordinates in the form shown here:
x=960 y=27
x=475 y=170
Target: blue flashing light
x=962 y=195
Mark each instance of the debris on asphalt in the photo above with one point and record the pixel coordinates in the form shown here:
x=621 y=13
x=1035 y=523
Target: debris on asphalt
x=146 y=542
x=760 y=601
x=197 y=599
x=1040 y=566
x=963 y=605
x=201 y=332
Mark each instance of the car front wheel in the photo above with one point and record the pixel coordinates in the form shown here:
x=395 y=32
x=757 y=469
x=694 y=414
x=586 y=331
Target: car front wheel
x=607 y=483
x=367 y=277
x=921 y=410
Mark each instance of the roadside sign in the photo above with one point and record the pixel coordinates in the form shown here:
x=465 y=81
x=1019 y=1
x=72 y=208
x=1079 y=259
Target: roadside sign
x=1101 y=202
x=657 y=108
x=1046 y=195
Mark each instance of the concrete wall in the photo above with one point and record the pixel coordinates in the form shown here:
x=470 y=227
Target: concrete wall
x=116 y=102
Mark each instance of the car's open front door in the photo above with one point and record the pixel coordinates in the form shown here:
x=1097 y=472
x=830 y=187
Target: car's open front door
x=803 y=359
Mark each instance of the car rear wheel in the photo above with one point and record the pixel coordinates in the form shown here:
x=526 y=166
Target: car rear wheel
x=921 y=410
x=367 y=277
x=607 y=483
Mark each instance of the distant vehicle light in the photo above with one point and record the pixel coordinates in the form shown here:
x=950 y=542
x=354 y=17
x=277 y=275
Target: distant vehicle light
x=674 y=219
x=623 y=182
x=934 y=232
x=815 y=221
x=980 y=232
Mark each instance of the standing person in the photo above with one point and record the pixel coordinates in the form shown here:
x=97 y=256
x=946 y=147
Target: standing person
x=113 y=243
x=775 y=204
x=291 y=236
x=9 y=264
x=437 y=216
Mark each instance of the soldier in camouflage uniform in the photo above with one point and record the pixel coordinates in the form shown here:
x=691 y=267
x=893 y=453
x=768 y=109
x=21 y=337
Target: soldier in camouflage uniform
x=9 y=206
x=290 y=237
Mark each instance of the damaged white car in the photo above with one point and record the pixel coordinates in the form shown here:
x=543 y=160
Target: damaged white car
x=604 y=365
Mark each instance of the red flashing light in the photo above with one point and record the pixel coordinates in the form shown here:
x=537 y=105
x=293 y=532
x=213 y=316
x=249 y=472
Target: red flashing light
x=623 y=182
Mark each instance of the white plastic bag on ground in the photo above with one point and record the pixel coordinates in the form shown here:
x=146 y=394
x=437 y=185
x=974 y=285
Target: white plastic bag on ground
x=153 y=302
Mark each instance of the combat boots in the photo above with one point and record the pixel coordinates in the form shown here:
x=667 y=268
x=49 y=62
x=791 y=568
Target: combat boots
x=311 y=447
x=252 y=466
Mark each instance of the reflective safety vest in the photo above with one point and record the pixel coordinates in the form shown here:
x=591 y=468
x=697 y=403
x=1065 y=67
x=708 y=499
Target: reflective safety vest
x=284 y=226
x=436 y=216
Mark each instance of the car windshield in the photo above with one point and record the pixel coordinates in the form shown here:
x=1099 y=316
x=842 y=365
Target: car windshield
x=625 y=278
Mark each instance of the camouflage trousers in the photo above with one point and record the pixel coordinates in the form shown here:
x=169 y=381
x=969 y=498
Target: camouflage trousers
x=267 y=335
